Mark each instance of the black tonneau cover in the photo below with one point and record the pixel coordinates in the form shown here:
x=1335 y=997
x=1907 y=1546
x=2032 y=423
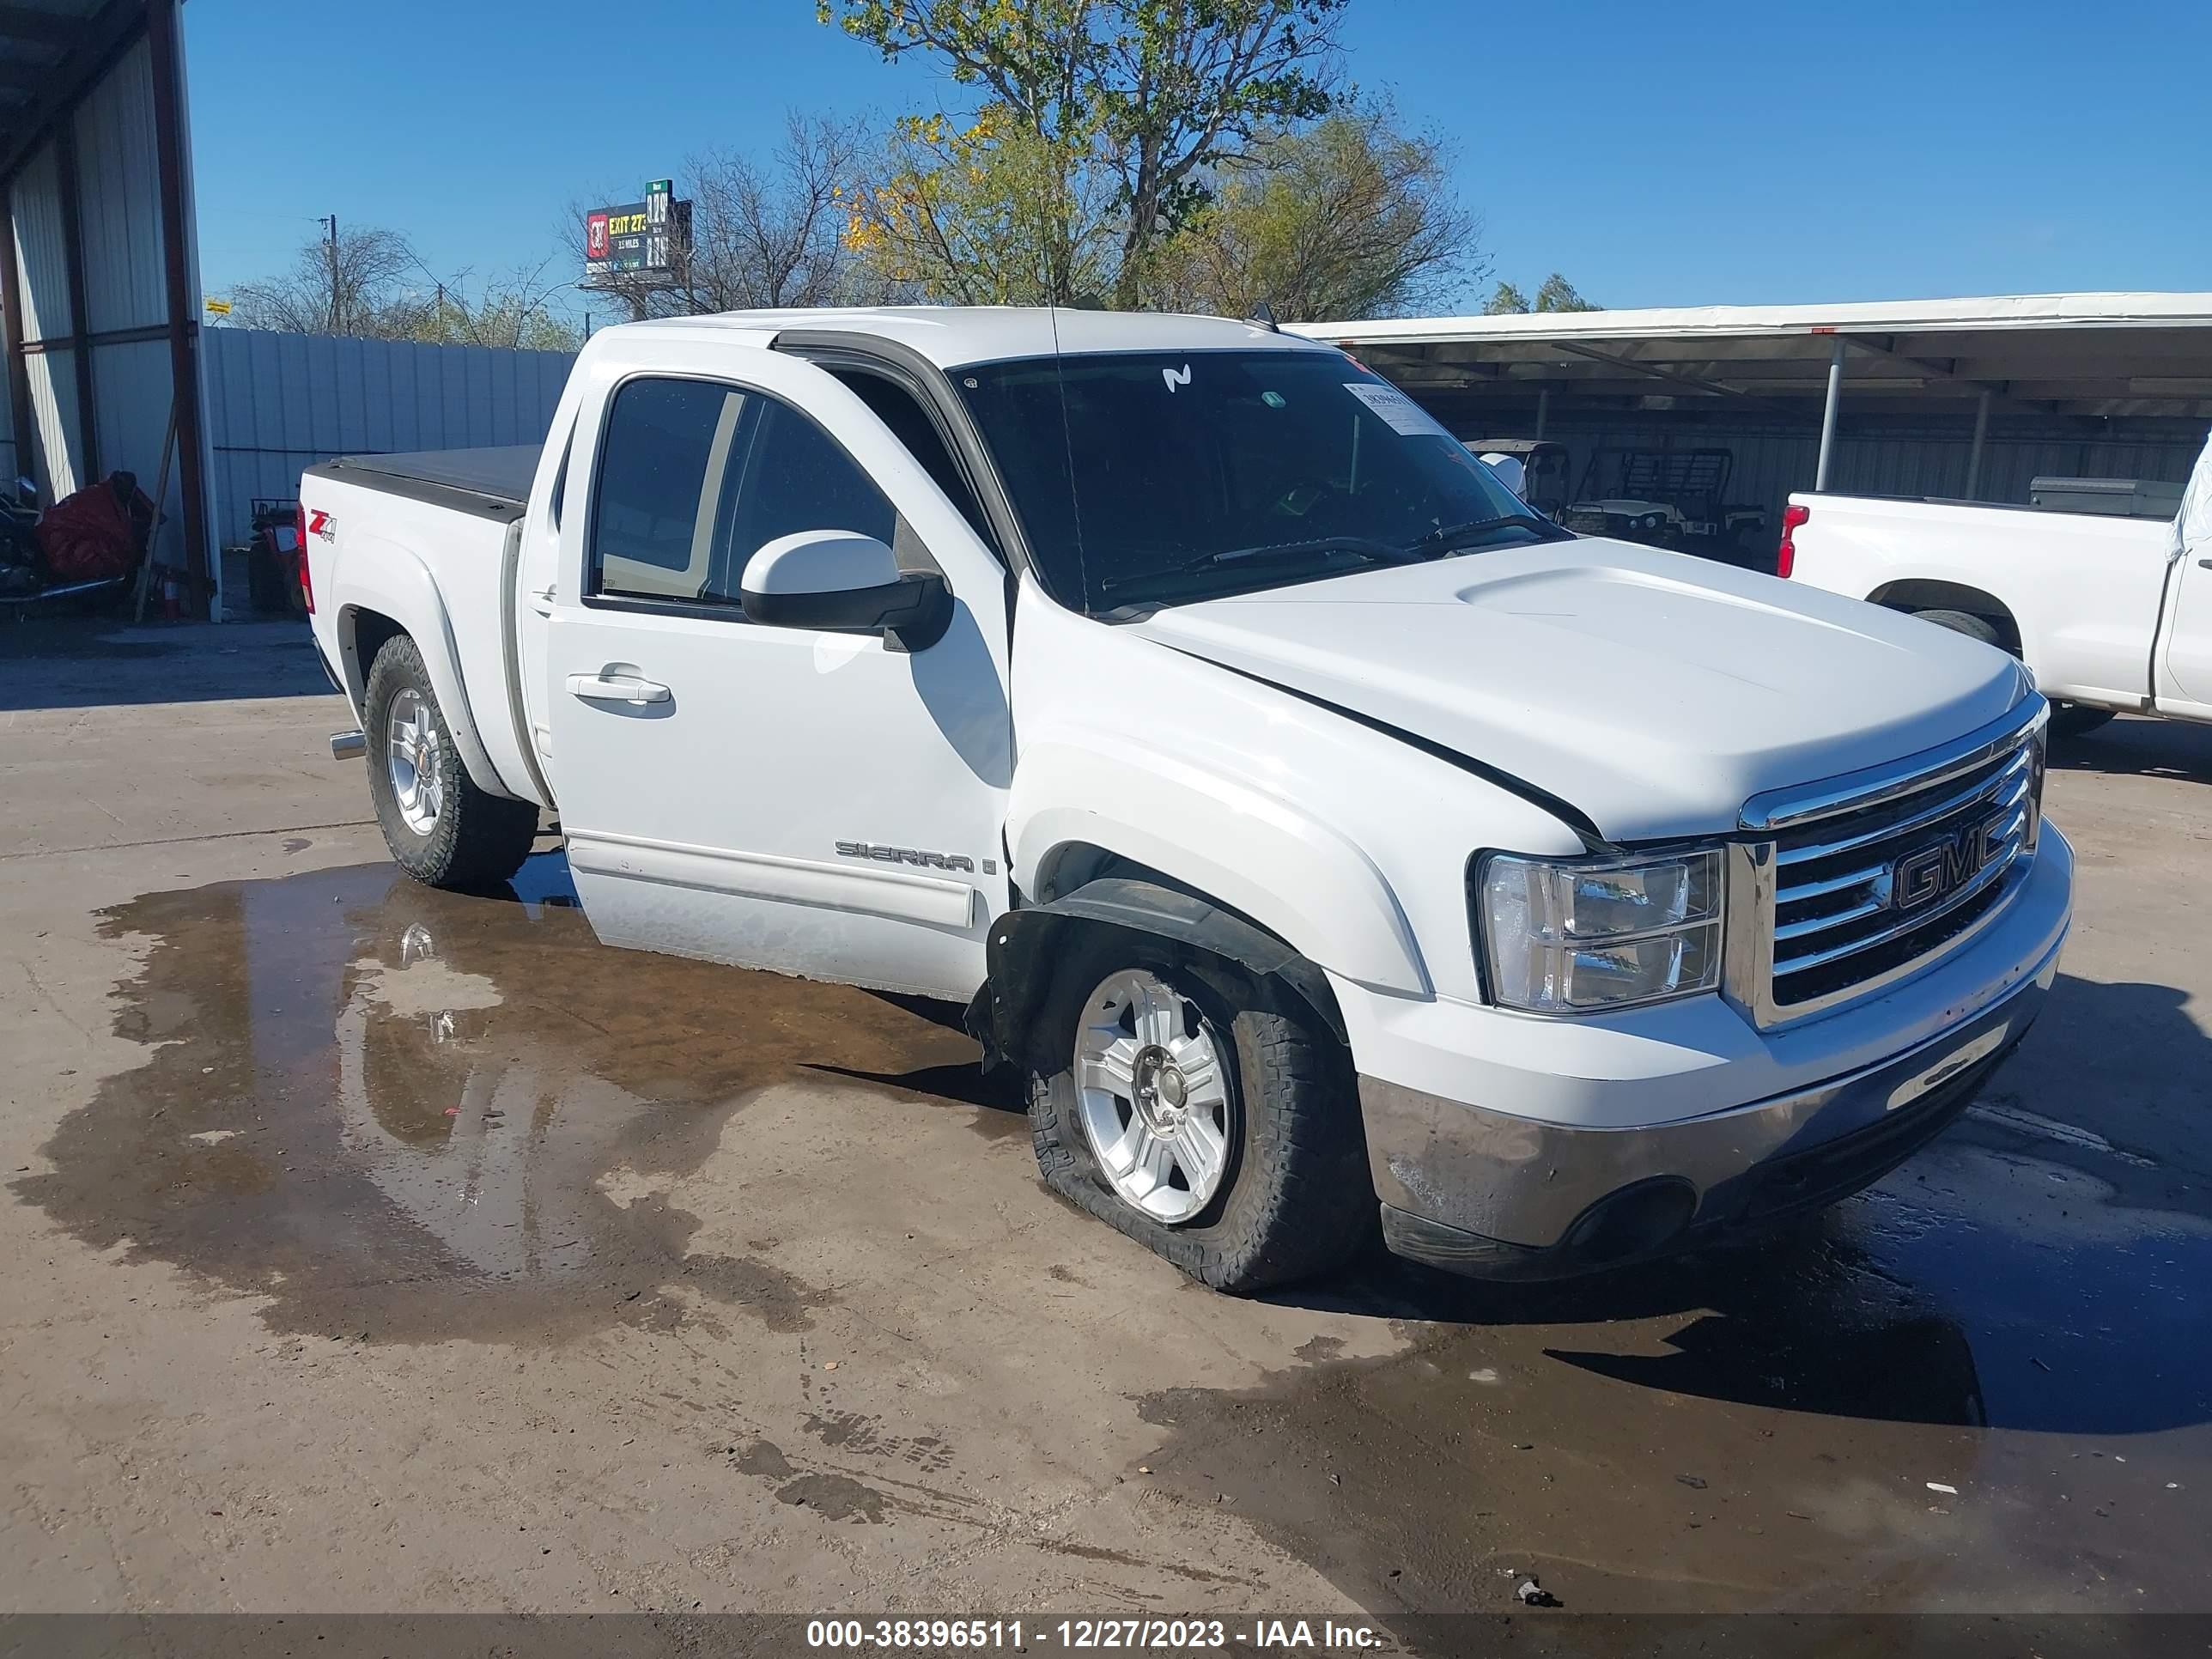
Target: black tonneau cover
x=491 y=482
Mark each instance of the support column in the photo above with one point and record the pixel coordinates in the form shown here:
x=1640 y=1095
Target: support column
x=183 y=303
x=1543 y=408
x=1828 y=417
x=1974 y=455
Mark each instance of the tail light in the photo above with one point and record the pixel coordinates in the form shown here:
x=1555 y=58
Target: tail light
x=1785 y=557
x=307 y=581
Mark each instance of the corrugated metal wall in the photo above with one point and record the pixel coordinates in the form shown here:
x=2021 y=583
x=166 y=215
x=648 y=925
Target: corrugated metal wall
x=118 y=210
x=119 y=176
x=279 y=403
x=119 y=217
x=41 y=276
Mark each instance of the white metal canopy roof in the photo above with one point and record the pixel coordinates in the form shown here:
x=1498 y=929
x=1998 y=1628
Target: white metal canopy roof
x=2100 y=354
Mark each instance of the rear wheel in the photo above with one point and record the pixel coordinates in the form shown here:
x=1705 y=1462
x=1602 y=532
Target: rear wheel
x=1210 y=1116
x=441 y=828
x=1965 y=621
x=2069 y=721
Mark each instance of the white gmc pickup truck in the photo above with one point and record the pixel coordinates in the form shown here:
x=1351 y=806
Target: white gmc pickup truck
x=1327 y=835
x=2112 y=615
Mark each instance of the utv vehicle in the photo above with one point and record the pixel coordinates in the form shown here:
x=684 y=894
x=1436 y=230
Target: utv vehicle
x=1671 y=498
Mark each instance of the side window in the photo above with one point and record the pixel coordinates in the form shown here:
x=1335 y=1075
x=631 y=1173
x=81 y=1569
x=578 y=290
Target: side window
x=695 y=477
x=796 y=477
x=667 y=450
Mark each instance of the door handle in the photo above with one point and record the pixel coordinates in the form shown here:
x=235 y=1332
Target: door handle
x=2204 y=564
x=623 y=688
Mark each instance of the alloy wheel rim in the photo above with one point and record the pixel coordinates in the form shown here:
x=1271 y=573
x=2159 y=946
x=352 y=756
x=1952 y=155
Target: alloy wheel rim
x=412 y=756
x=1152 y=1093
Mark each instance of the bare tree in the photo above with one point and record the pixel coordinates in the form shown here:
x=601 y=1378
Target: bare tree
x=765 y=232
x=372 y=285
x=340 y=288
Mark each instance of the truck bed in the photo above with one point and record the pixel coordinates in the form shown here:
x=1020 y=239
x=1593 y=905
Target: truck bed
x=490 y=482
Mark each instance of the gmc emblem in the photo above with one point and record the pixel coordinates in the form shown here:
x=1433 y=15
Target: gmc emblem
x=1941 y=868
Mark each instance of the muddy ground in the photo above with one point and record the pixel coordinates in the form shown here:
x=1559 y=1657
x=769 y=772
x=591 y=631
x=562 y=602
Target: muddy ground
x=368 y=1248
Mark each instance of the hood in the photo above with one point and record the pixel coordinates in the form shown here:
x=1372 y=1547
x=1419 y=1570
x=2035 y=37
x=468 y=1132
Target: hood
x=1655 y=691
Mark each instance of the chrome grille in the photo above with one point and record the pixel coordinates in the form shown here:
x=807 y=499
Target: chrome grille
x=1868 y=879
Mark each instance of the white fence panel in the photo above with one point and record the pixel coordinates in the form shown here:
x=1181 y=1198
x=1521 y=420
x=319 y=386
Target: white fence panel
x=278 y=403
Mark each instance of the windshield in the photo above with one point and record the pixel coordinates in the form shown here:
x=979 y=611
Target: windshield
x=1174 y=477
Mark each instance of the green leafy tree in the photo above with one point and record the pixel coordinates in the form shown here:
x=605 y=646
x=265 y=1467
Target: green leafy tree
x=1350 y=217
x=1155 y=93
x=991 y=214
x=988 y=214
x=1558 y=294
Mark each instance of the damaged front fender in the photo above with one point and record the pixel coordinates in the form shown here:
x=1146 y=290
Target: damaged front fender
x=1025 y=944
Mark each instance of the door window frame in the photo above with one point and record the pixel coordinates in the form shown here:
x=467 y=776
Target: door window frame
x=588 y=571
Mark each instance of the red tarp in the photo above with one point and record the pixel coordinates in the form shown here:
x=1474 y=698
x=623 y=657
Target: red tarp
x=96 y=533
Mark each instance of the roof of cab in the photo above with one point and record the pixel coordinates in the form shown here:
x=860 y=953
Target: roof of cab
x=953 y=336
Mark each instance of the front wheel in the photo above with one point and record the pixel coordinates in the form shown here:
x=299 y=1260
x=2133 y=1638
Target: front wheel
x=1211 y=1117
x=441 y=828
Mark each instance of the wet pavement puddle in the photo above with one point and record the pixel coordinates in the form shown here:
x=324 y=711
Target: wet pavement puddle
x=405 y=1114
x=1984 y=1383
x=408 y=1115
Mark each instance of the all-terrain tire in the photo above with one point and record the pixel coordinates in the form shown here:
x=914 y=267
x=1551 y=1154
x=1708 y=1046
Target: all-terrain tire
x=1297 y=1199
x=478 y=840
x=2069 y=721
x=1965 y=621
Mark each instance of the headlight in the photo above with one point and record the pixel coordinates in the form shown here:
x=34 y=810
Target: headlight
x=1569 y=935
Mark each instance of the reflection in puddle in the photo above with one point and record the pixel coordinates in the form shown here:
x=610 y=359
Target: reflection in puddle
x=1984 y=1383
x=406 y=1114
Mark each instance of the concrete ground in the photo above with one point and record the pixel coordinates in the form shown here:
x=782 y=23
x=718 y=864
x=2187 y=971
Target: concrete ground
x=368 y=1248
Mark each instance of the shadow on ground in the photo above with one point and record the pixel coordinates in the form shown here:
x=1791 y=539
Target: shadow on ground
x=2140 y=747
x=87 y=662
x=2004 y=1278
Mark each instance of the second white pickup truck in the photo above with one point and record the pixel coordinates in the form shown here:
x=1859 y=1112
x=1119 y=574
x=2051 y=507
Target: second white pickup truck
x=2114 y=615
x=1333 y=841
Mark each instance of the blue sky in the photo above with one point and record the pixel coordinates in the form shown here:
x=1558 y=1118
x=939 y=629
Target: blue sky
x=1656 y=154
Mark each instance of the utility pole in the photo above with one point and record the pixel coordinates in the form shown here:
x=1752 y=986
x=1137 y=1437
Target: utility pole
x=331 y=247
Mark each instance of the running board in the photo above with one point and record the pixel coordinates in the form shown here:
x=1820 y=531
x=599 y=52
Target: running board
x=347 y=745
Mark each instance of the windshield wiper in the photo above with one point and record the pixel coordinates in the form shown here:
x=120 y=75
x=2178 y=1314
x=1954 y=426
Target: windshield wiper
x=1440 y=540
x=1366 y=546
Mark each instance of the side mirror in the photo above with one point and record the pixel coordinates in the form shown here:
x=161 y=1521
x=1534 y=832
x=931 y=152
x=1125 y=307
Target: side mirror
x=840 y=581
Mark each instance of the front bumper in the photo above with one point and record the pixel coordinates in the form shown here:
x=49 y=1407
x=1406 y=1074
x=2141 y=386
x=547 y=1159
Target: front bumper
x=1507 y=1195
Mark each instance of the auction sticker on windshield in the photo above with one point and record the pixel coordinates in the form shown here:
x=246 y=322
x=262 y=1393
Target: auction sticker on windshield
x=1401 y=412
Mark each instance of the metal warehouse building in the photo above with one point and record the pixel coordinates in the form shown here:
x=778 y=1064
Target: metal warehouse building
x=1967 y=399
x=99 y=272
